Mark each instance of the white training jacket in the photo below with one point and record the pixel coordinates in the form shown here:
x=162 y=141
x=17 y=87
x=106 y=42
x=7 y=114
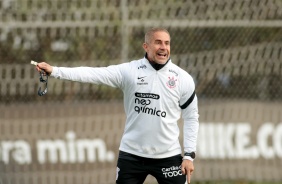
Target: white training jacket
x=153 y=100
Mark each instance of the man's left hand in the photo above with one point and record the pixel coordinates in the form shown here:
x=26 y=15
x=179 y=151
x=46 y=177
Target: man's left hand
x=187 y=167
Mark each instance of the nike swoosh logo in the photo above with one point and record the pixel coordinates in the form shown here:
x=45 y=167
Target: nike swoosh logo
x=141 y=77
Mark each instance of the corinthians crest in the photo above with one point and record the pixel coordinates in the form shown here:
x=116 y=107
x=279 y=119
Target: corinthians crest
x=171 y=83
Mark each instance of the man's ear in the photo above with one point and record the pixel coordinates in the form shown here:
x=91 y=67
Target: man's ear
x=145 y=46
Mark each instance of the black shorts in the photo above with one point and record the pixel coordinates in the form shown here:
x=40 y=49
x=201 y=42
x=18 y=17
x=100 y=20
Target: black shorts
x=132 y=169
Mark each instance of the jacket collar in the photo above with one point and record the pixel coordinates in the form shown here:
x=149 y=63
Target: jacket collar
x=155 y=65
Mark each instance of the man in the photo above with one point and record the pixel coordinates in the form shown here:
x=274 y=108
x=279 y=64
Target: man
x=156 y=93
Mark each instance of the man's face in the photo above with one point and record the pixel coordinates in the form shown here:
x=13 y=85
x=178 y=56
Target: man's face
x=158 y=48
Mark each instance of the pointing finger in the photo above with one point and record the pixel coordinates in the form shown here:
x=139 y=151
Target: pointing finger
x=188 y=176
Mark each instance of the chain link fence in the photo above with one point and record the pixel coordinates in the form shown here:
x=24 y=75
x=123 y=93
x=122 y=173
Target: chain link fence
x=231 y=48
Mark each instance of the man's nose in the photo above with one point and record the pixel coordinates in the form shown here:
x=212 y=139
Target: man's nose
x=163 y=46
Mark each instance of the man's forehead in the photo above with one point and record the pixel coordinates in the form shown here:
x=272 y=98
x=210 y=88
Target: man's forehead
x=161 y=35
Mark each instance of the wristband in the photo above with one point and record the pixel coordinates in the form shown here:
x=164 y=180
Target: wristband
x=191 y=154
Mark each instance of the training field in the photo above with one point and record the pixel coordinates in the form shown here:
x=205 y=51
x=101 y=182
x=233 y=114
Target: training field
x=71 y=135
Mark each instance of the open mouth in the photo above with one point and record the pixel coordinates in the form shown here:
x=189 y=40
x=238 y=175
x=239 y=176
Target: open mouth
x=162 y=55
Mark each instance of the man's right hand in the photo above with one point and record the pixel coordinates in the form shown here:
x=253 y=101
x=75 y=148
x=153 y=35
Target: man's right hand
x=44 y=67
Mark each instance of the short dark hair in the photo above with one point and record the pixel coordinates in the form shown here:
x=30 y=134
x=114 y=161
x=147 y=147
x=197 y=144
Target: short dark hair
x=150 y=32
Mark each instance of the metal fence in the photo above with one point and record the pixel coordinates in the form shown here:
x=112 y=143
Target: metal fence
x=231 y=48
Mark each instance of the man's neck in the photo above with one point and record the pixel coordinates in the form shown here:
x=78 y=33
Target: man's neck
x=155 y=65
